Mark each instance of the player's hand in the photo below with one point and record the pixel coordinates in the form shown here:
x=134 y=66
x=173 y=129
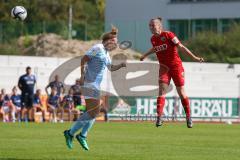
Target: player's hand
x=142 y=58
x=199 y=59
x=123 y=64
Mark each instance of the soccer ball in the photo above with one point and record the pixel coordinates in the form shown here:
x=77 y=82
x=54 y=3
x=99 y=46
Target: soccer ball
x=19 y=12
x=229 y=122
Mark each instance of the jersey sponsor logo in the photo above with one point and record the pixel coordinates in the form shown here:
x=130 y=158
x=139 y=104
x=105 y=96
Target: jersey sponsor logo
x=175 y=40
x=30 y=82
x=160 y=48
x=163 y=39
x=200 y=107
x=17 y=100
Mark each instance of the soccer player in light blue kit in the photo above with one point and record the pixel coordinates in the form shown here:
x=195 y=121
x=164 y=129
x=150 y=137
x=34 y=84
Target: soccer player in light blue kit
x=96 y=60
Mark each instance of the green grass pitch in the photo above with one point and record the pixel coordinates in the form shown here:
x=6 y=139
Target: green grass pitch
x=122 y=141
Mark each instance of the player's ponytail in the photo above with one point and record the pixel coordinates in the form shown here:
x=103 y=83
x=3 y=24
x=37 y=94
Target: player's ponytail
x=109 y=35
x=159 y=18
x=114 y=30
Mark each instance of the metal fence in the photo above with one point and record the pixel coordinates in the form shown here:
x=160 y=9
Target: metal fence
x=79 y=30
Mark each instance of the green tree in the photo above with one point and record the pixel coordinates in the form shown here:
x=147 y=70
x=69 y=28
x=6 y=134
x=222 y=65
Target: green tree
x=216 y=47
x=53 y=15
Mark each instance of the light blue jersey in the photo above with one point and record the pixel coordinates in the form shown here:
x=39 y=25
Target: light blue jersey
x=99 y=60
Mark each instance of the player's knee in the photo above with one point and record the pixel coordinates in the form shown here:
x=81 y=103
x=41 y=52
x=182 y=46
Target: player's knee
x=162 y=92
x=94 y=113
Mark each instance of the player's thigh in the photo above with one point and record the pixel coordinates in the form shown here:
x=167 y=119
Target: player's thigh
x=177 y=74
x=92 y=106
x=164 y=81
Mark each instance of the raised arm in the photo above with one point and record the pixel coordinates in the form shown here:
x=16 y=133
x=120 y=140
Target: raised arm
x=149 y=52
x=189 y=53
x=116 y=67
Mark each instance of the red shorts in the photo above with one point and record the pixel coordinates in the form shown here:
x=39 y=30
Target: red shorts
x=176 y=73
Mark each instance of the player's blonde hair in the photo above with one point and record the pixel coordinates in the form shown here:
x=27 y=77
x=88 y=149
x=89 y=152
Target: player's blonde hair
x=109 y=35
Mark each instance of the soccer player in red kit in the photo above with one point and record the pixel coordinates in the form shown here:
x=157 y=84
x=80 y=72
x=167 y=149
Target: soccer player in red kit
x=165 y=45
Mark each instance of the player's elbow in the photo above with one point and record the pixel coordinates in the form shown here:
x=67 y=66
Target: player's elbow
x=110 y=68
x=182 y=47
x=84 y=59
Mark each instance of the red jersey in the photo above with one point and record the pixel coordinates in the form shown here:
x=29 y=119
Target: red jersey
x=165 y=46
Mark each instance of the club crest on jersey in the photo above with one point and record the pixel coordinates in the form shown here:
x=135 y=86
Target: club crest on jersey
x=163 y=39
x=94 y=52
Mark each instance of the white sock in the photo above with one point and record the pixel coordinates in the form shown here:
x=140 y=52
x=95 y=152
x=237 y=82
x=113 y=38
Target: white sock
x=13 y=116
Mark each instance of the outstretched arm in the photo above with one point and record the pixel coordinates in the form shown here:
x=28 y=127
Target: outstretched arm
x=116 y=67
x=150 y=51
x=189 y=53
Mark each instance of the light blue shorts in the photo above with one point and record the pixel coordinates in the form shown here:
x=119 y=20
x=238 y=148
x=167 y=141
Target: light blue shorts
x=91 y=91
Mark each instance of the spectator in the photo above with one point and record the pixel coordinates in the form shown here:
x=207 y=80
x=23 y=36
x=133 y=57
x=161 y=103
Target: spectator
x=5 y=105
x=76 y=98
x=104 y=107
x=16 y=104
x=53 y=105
x=37 y=104
x=68 y=104
x=57 y=84
x=26 y=84
x=77 y=93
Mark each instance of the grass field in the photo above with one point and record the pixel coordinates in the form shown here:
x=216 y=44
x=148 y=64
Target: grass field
x=122 y=141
